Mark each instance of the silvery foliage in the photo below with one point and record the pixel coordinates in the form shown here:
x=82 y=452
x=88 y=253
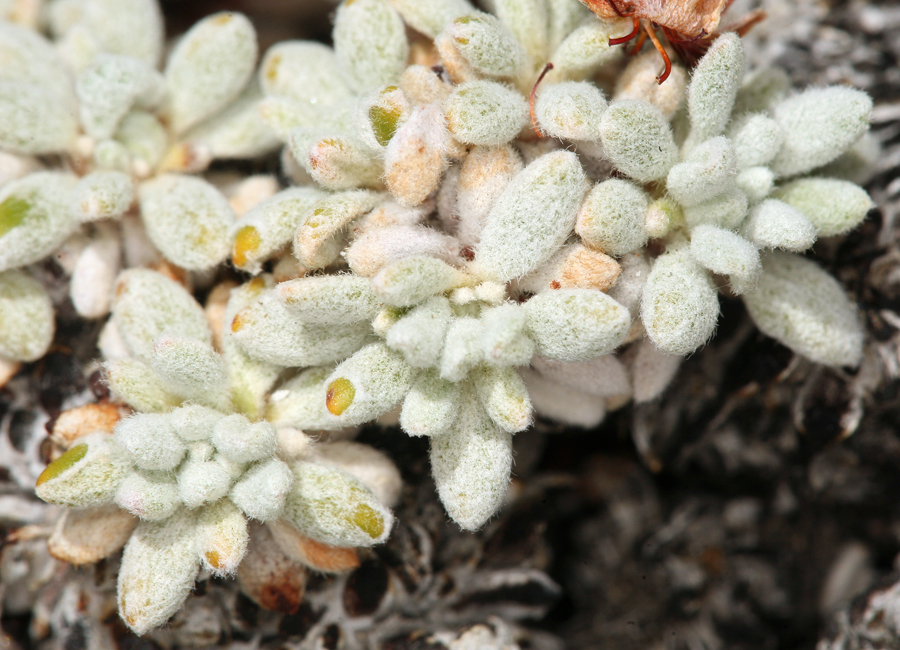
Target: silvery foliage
x=445 y=264
x=127 y=134
x=476 y=251
x=197 y=463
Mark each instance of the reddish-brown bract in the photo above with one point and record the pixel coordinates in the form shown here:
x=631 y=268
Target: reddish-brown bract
x=689 y=25
x=688 y=18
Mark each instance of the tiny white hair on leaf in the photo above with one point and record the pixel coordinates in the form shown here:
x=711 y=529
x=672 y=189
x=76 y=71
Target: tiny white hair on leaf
x=755 y=182
x=638 y=81
x=325 y=299
x=136 y=384
x=586 y=49
x=188 y=219
x=707 y=171
x=528 y=22
x=714 y=86
x=485 y=112
x=463 y=348
x=487 y=45
x=415 y=158
x=412 y=279
x=370 y=43
x=103 y=195
x=819 y=124
x=373 y=468
x=144 y=139
x=87 y=536
x=563 y=403
x=209 y=67
x=335 y=161
x=679 y=305
x=298 y=402
x=222 y=537
x=757 y=139
x=834 y=206
x=242 y=441
x=202 y=481
x=33 y=120
x=612 y=217
x=147 y=303
x=563 y=17
x=321 y=224
x=471 y=465
x=419 y=334
x=431 y=16
x=431 y=405
x=378 y=248
x=727 y=210
x=150 y=497
x=305 y=72
x=250 y=379
x=110 y=87
x=574 y=266
x=371 y=382
x=131 y=27
x=238 y=132
x=761 y=90
x=532 y=217
x=86 y=475
x=268 y=331
x=35 y=217
x=262 y=491
x=726 y=253
x=194 y=423
x=800 y=305
x=503 y=396
x=332 y=506
x=158 y=569
x=505 y=336
x=267 y=227
x=576 y=324
x=422 y=85
x=483 y=176
x=28 y=57
x=378 y=116
x=775 y=224
x=27 y=322
x=192 y=369
x=570 y=110
x=637 y=139
x=151 y=441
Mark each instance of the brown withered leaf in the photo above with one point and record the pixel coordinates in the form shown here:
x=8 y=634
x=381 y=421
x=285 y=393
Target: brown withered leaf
x=268 y=577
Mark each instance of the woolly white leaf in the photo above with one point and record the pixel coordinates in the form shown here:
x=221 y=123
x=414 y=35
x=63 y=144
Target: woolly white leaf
x=679 y=305
x=532 y=217
x=803 y=307
x=209 y=67
x=471 y=465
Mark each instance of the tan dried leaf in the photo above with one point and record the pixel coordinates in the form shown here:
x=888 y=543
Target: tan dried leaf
x=269 y=577
x=87 y=536
x=315 y=555
x=83 y=420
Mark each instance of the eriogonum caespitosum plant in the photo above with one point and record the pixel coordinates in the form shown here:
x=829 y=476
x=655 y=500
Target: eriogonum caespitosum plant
x=475 y=251
x=434 y=259
x=194 y=470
